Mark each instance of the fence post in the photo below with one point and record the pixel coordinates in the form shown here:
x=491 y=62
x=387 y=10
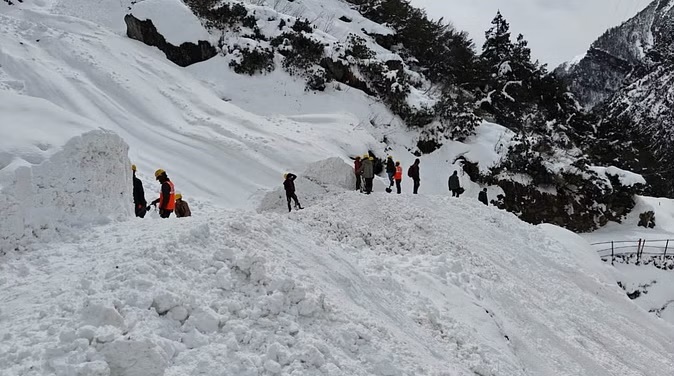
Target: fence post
x=638 y=251
x=612 y=253
x=666 y=245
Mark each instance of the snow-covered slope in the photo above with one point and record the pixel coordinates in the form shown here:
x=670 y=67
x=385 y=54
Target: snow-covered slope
x=359 y=285
x=170 y=120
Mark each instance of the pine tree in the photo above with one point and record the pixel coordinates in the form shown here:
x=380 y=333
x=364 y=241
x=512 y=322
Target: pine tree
x=497 y=48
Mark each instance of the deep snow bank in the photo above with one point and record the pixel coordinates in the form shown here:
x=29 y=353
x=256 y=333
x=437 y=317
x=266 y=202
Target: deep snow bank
x=355 y=285
x=56 y=171
x=87 y=182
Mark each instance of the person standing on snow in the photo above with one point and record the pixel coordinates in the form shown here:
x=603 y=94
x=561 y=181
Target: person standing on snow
x=413 y=172
x=139 y=203
x=167 y=199
x=367 y=170
x=356 y=168
x=482 y=197
x=454 y=184
x=398 y=176
x=390 y=170
x=289 y=186
x=182 y=209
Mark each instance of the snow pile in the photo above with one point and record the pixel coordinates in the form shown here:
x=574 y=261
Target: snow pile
x=85 y=183
x=358 y=285
x=331 y=171
x=56 y=172
x=318 y=179
x=166 y=15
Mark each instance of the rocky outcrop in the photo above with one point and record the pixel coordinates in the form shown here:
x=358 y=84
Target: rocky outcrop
x=186 y=54
x=618 y=53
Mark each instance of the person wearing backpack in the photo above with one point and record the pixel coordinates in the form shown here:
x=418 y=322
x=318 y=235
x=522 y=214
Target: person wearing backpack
x=367 y=171
x=413 y=172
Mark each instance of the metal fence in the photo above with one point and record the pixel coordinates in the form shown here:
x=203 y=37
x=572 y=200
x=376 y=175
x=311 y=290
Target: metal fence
x=639 y=248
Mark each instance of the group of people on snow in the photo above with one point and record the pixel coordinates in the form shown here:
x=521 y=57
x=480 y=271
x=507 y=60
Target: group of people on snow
x=364 y=170
x=169 y=201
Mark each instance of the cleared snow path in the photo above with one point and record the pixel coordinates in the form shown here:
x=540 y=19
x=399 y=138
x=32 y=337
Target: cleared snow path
x=378 y=285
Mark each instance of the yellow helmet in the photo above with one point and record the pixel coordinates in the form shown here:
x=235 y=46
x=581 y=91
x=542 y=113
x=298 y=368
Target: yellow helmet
x=285 y=176
x=178 y=196
x=133 y=167
x=159 y=172
x=366 y=156
x=371 y=158
x=389 y=157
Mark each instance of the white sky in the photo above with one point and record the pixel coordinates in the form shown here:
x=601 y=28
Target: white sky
x=557 y=30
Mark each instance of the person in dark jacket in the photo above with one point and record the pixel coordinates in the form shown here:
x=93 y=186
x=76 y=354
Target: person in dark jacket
x=289 y=186
x=390 y=170
x=182 y=208
x=356 y=168
x=482 y=197
x=167 y=199
x=413 y=172
x=139 y=203
x=367 y=171
x=455 y=185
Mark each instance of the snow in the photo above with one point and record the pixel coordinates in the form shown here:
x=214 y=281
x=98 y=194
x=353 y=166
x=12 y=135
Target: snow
x=352 y=285
x=356 y=285
x=173 y=20
x=627 y=178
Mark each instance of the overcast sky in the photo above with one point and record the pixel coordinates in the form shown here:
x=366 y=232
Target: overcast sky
x=557 y=30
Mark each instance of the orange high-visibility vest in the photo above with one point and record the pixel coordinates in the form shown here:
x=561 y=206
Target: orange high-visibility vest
x=399 y=173
x=172 y=198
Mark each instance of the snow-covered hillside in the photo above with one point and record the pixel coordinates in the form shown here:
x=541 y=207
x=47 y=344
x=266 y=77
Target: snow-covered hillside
x=358 y=285
x=352 y=285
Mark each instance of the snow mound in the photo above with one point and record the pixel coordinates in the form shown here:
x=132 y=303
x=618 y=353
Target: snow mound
x=173 y=20
x=319 y=178
x=332 y=171
x=85 y=183
x=358 y=285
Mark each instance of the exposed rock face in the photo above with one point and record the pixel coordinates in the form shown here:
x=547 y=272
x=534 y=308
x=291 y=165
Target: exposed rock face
x=620 y=51
x=186 y=54
x=627 y=80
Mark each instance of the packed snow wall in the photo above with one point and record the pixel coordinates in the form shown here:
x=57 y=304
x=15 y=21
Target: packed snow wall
x=87 y=182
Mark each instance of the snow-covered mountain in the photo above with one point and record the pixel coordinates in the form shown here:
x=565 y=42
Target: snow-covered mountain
x=615 y=55
x=626 y=78
x=354 y=284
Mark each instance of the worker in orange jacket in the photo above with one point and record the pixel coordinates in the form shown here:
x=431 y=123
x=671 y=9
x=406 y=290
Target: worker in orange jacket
x=398 y=176
x=167 y=199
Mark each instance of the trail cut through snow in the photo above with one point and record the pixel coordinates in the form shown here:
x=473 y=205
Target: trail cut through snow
x=355 y=285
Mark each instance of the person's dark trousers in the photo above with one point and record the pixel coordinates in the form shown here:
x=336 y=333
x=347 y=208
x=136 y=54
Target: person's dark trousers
x=417 y=183
x=292 y=196
x=398 y=186
x=165 y=213
x=358 y=183
x=368 y=185
x=390 y=178
x=140 y=210
x=455 y=193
